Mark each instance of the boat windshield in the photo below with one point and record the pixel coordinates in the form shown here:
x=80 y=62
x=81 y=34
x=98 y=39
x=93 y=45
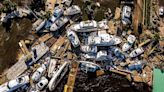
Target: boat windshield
x=20 y=80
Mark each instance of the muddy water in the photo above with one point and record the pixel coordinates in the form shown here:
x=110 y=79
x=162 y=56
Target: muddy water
x=9 y=41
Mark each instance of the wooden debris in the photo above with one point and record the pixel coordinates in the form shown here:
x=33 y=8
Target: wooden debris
x=23 y=47
x=117 y=13
x=45 y=37
x=60 y=41
x=143 y=43
x=71 y=77
x=100 y=72
x=112 y=28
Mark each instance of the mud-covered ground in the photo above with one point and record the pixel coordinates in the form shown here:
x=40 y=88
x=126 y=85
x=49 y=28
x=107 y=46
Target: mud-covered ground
x=105 y=83
x=9 y=38
x=104 y=5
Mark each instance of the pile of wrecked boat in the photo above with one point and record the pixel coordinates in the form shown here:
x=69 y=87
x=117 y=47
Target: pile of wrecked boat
x=88 y=42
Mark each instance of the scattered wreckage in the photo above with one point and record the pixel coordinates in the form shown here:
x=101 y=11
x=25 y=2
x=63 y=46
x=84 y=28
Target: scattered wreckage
x=46 y=65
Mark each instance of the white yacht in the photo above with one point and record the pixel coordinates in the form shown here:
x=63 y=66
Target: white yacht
x=131 y=39
x=136 y=52
x=59 y=23
x=126 y=14
x=85 y=26
x=104 y=40
x=38 y=73
x=161 y=11
x=72 y=36
x=15 y=84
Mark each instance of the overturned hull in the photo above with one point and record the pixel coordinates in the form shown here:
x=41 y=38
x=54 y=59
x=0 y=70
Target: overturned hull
x=58 y=75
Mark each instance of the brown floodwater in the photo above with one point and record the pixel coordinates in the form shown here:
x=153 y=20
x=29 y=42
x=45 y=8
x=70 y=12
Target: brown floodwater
x=9 y=41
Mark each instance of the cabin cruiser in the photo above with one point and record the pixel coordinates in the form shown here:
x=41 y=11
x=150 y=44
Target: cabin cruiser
x=102 y=55
x=59 y=23
x=117 y=52
x=161 y=11
x=126 y=15
x=131 y=39
x=58 y=73
x=104 y=40
x=87 y=66
x=137 y=65
x=136 y=52
x=74 y=9
x=38 y=73
x=39 y=24
x=85 y=26
x=58 y=12
x=15 y=84
x=42 y=83
x=88 y=49
x=72 y=36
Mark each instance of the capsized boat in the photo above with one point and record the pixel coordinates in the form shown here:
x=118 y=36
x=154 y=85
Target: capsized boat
x=58 y=73
x=87 y=66
x=74 y=9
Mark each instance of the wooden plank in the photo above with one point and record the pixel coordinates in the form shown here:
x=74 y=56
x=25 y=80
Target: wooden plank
x=117 y=13
x=71 y=77
x=65 y=48
x=45 y=37
x=50 y=42
x=49 y=6
x=59 y=51
x=23 y=47
x=57 y=44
